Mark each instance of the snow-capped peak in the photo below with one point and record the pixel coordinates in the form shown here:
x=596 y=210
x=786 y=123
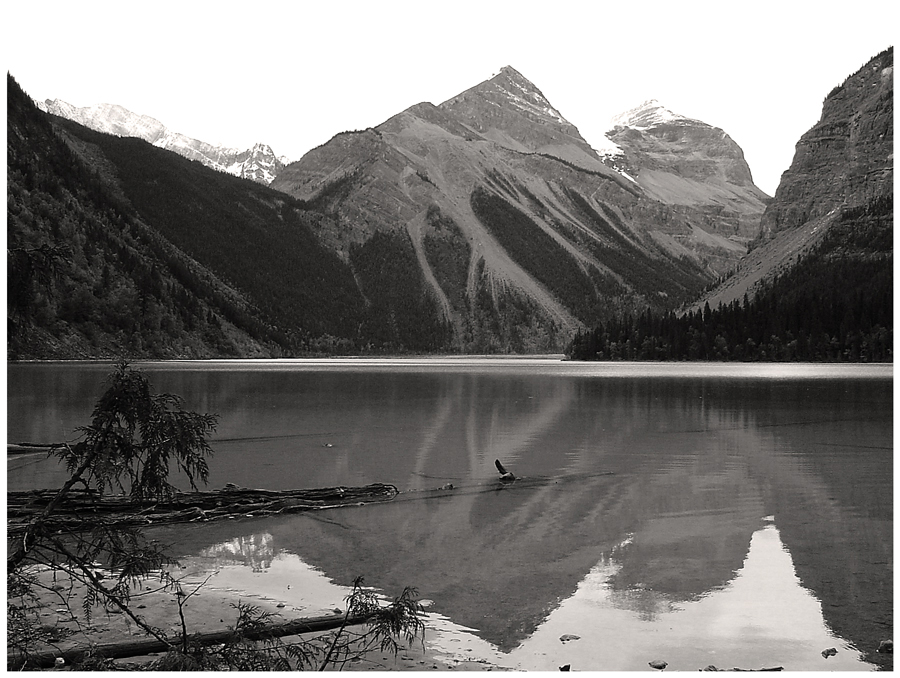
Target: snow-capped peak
x=258 y=163
x=649 y=114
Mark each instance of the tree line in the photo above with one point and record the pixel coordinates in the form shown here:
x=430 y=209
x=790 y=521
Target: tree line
x=834 y=305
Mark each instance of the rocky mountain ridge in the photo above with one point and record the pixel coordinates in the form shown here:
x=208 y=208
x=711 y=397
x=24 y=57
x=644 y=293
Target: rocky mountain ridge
x=483 y=224
x=682 y=161
x=846 y=158
x=258 y=163
x=842 y=175
x=532 y=217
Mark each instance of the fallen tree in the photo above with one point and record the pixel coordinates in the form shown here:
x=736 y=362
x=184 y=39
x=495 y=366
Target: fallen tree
x=118 y=483
x=28 y=448
x=81 y=509
x=145 y=646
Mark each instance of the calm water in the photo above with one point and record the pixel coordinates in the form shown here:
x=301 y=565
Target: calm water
x=734 y=515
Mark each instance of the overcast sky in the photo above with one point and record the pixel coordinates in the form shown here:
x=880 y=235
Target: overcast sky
x=293 y=74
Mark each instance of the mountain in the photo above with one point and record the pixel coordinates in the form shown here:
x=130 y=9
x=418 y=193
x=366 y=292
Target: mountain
x=484 y=224
x=847 y=158
x=87 y=277
x=690 y=165
x=682 y=161
x=516 y=230
x=818 y=283
x=841 y=177
x=258 y=163
x=512 y=112
x=118 y=248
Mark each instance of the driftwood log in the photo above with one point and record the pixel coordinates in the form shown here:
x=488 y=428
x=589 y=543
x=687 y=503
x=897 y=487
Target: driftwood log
x=29 y=448
x=81 y=509
x=143 y=647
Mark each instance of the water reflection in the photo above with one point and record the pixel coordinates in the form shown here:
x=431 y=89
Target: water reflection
x=255 y=551
x=762 y=617
x=658 y=482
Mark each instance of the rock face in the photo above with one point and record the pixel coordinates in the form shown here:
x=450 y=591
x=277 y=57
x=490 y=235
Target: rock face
x=847 y=158
x=258 y=163
x=839 y=185
x=510 y=111
x=682 y=161
x=520 y=230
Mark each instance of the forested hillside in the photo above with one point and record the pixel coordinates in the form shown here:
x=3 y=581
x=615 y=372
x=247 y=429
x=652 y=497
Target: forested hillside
x=835 y=305
x=118 y=248
x=257 y=239
x=86 y=277
x=820 y=285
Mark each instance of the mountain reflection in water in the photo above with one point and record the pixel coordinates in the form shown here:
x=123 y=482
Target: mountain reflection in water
x=642 y=499
x=762 y=617
x=762 y=612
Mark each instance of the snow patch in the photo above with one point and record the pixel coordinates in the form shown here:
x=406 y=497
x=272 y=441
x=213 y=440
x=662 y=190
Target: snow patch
x=607 y=148
x=541 y=107
x=647 y=115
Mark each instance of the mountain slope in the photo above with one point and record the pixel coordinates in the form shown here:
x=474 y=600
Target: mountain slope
x=120 y=248
x=87 y=277
x=543 y=236
x=846 y=159
x=819 y=284
x=681 y=161
x=258 y=163
x=842 y=174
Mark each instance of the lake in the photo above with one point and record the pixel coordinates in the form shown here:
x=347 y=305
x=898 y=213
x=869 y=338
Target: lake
x=739 y=515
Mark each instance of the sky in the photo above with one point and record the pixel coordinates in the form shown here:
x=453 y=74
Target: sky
x=294 y=74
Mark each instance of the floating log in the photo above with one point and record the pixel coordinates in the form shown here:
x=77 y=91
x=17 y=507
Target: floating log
x=82 y=508
x=139 y=648
x=30 y=448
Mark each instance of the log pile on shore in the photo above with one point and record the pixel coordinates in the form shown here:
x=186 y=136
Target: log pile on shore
x=82 y=508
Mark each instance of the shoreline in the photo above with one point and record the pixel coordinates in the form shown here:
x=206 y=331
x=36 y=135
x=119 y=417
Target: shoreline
x=209 y=608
